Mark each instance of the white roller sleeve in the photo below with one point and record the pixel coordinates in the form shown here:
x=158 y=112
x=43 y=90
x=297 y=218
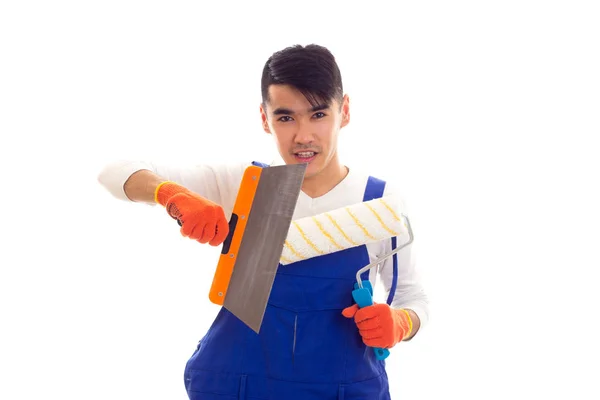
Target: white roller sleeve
x=343 y=228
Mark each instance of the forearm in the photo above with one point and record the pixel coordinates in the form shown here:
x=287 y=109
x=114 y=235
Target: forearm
x=141 y=185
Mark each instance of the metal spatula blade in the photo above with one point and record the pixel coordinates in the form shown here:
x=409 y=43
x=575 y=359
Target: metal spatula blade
x=261 y=247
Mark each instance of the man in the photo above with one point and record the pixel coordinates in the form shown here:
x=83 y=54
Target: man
x=314 y=343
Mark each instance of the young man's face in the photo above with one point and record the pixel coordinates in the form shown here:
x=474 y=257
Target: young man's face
x=304 y=134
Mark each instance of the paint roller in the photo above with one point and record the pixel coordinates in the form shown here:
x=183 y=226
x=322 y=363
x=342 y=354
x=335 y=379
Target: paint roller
x=358 y=224
x=347 y=227
x=362 y=223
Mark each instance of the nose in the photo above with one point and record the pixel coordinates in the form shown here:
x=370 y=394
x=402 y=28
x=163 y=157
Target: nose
x=304 y=134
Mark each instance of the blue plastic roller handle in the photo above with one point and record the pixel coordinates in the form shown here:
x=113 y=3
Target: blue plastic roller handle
x=364 y=297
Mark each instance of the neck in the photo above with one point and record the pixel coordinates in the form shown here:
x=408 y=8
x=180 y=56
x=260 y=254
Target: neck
x=325 y=180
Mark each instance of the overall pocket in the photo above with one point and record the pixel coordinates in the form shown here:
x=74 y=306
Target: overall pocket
x=278 y=342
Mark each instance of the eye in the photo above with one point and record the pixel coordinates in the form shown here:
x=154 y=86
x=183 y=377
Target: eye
x=319 y=115
x=285 y=118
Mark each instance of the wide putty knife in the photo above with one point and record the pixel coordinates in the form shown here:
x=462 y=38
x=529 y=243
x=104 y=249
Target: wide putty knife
x=258 y=227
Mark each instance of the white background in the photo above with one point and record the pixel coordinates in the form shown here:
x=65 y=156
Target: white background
x=493 y=110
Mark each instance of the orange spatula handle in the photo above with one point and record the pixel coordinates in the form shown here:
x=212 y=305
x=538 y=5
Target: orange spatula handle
x=237 y=225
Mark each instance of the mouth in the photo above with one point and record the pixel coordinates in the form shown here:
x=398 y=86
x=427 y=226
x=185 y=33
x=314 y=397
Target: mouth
x=305 y=156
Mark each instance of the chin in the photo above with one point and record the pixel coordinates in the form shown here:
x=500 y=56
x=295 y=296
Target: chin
x=312 y=169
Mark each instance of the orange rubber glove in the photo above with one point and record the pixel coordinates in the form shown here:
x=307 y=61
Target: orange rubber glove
x=380 y=325
x=200 y=218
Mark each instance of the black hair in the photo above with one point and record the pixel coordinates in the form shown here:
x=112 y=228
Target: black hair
x=311 y=69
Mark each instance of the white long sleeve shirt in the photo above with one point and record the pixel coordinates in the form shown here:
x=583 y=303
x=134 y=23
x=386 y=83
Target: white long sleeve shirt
x=220 y=183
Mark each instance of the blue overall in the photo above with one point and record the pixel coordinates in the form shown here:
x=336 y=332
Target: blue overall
x=306 y=348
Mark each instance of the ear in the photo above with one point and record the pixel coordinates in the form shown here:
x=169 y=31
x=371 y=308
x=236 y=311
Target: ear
x=345 y=111
x=265 y=122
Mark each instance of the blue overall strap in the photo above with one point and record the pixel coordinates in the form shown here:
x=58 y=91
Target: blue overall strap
x=395 y=278
x=260 y=164
x=374 y=190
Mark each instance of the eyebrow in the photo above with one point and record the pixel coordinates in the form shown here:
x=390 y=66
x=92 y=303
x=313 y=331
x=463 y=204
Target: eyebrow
x=287 y=111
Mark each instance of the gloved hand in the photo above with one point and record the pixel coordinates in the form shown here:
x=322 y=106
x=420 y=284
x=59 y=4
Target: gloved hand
x=200 y=218
x=380 y=325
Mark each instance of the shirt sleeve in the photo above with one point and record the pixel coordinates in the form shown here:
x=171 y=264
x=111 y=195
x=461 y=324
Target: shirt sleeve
x=218 y=183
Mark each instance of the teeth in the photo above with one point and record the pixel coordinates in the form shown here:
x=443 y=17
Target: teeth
x=306 y=154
